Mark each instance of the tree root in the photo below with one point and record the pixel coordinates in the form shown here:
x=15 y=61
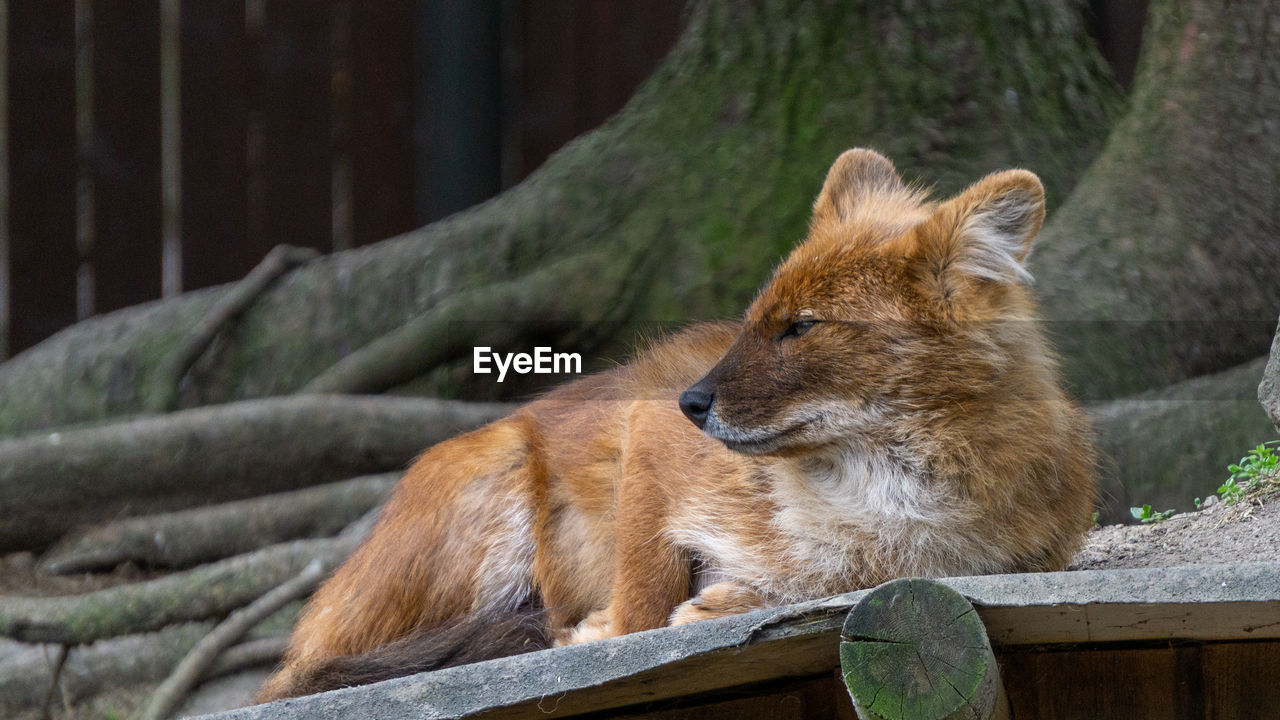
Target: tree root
x=91 y=670
x=167 y=378
x=52 y=482
x=202 y=656
x=207 y=591
x=248 y=654
x=189 y=537
x=446 y=332
x=54 y=677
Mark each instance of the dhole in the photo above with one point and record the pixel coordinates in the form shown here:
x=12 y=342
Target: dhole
x=887 y=407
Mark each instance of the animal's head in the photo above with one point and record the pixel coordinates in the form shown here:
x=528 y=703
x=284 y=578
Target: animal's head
x=892 y=306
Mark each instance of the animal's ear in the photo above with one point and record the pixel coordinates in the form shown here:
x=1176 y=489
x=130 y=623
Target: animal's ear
x=855 y=175
x=985 y=232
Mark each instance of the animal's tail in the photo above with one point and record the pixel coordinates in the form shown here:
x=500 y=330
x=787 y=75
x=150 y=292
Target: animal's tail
x=461 y=640
x=456 y=540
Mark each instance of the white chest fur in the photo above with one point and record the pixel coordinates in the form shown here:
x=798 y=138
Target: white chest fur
x=845 y=521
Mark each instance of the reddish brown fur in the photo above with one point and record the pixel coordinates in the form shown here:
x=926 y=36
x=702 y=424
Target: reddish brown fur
x=916 y=429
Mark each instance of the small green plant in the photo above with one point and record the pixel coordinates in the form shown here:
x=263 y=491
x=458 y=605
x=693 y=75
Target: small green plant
x=1230 y=491
x=1095 y=518
x=1148 y=516
x=1261 y=466
x=1198 y=503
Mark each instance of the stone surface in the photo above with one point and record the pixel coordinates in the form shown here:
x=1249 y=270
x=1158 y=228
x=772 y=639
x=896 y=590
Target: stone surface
x=1269 y=388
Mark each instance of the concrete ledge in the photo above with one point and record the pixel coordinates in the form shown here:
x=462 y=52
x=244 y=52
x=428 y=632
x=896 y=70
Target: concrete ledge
x=1198 y=603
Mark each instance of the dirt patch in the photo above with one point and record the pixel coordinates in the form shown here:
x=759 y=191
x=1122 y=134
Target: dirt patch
x=1246 y=531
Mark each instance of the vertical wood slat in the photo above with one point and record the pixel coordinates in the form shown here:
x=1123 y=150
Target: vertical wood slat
x=1136 y=684
x=126 y=154
x=255 y=127
x=382 y=120
x=42 y=209
x=1240 y=681
x=459 y=79
x=171 y=146
x=580 y=61
x=340 y=125
x=4 y=180
x=84 y=157
x=216 y=85
x=296 y=105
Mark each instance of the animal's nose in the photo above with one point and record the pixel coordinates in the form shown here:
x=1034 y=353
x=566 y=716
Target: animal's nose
x=695 y=404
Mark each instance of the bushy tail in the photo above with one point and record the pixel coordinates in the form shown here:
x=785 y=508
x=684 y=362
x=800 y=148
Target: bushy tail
x=461 y=640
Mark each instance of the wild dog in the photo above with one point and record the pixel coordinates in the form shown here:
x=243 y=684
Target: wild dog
x=887 y=407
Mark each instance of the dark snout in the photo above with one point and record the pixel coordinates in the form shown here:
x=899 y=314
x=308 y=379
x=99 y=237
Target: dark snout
x=695 y=402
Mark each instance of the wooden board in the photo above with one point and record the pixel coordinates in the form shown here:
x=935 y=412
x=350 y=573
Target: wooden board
x=126 y=158
x=292 y=205
x=1200 y=604
x=215 y=88
x=820 y=697
x=1240 y=681
x=42 y=182
x=382 y=121
x=1135 y=684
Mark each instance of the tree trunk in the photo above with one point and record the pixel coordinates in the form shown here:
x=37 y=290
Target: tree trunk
x=674 y=209
x=1162 y=264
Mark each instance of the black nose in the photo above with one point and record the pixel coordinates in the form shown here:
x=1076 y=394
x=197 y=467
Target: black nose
x=695 y=405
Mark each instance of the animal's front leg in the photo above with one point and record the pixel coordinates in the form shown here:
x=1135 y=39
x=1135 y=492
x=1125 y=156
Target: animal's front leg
x=645 y=591
x=651 y=574
x=719 y=600
x=651 y=579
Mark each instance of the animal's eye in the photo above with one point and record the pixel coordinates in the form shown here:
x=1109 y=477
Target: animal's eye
x=798 y=328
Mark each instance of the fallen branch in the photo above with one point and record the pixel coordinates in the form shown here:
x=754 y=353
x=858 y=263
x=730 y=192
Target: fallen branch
x=128 y=661
x=248 y=654
x=441 y=334
x=90 y=670
x=54 y=676
x=202 y=656
x=204 y=592
x=54 y=481
x=166 y=380
x=189 y=537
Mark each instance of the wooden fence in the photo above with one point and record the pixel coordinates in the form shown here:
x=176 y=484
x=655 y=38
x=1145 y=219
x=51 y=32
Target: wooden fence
x=147 y=148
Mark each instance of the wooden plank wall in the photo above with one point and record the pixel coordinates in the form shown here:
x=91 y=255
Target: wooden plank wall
x=296 y=122
x=1214 y=681
x=300 y=122
x=42 y=157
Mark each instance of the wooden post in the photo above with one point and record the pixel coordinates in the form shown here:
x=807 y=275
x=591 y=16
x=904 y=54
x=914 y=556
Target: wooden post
x=915 y=649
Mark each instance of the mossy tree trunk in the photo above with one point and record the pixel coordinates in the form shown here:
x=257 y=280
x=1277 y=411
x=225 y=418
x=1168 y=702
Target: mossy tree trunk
x=1162 y=265
x=674 y=209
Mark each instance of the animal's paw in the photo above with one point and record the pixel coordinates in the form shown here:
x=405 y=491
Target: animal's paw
x=596 y=626
x=716 y=601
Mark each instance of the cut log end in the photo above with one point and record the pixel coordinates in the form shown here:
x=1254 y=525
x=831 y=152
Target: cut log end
x=915 y=649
